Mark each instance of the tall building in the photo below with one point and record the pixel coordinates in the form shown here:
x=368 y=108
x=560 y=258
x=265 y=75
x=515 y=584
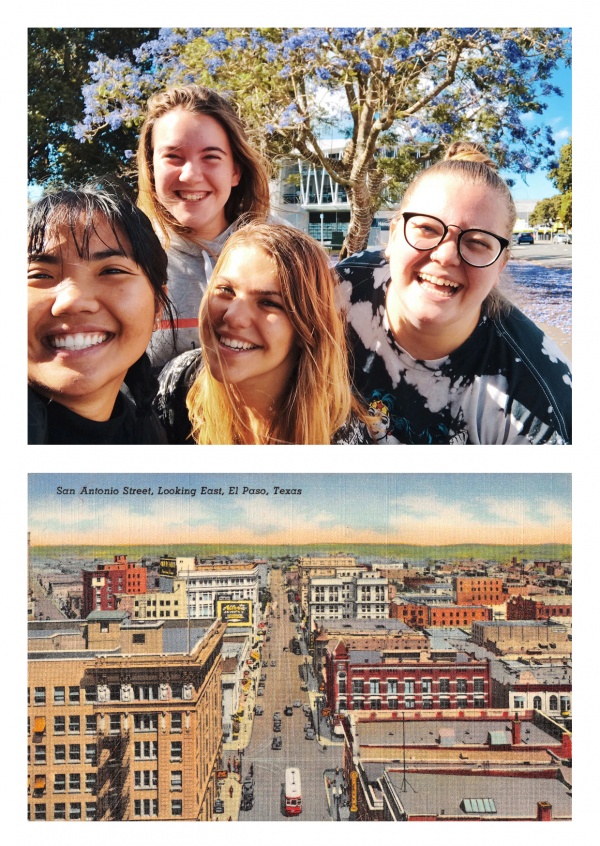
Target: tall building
x=360 y=596
x=103 y=586
x=124 y=719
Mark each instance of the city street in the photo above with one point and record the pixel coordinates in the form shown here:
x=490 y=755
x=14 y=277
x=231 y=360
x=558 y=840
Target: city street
x=282 y=688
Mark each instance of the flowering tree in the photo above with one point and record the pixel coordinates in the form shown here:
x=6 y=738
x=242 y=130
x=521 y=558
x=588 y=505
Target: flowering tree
x=414 y=90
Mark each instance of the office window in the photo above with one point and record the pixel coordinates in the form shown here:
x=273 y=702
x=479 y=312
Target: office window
x=444 y=685
x=145 y=807
x=39 y=755
x=90 y=753
x=409 y=686
x=426 y=685
x=479 y=702
x=176 y=752
x=409 y=703
x=91 y=694
x=176 y=722
x=60 y=811
x=145 y=749
x=114 y=724
x=478 y=685
x=74 y=753
x=374 y=686
x=40 y=811
x=59 y=725
x=145 y=722
x=176 y=808
x=60 y=782
x=39 y=698
x=74 y=724
x=90 y=782
x=60 y=753
x=445 y=702
x=59 y=695
x=91 y=725
x=90 y=810
x=519 y=702
x=74 y=695
x=75 y=811
x=461 y=685
x=74 y=782
x=145 y=779
x=176 y=780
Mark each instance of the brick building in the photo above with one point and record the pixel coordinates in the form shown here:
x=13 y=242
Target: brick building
x=479 y=591
x=124 y=720
x=538 y=607
x=103 y=586
x=424 y=614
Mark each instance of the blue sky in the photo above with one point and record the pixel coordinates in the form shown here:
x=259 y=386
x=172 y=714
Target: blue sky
x=345 y=508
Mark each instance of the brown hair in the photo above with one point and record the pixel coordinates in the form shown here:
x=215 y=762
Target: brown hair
x=250 y=196
x=319 y=399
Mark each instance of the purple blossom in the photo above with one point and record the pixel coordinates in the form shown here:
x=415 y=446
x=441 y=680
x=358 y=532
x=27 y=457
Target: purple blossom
x=362 y=67
x=323 y=73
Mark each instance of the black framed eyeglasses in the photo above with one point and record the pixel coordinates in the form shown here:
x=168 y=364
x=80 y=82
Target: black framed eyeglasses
x=476 y=247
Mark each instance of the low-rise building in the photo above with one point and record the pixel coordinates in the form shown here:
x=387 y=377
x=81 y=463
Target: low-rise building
x=538 y=607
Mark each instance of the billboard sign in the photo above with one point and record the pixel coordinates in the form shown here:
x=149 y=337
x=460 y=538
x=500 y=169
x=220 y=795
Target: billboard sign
x=235 y=613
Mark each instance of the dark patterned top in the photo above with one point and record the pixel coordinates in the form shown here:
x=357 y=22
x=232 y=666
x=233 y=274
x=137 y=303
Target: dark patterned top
x=508 y=383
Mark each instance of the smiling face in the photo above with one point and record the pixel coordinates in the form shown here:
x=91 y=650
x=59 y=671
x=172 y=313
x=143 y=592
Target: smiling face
x=89 y=320
x=434 y=299
x=257 y=344
x=194 y=170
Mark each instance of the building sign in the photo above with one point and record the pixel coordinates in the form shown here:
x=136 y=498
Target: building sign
x=235 y=613
x=353 y=792
x=168 y=567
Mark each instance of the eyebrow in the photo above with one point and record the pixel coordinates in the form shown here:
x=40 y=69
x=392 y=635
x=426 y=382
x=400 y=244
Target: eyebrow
x=171 y=147
x=99 y=255
x=256 y=292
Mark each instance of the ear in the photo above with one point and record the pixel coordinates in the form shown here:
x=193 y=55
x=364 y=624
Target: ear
x=236 y=175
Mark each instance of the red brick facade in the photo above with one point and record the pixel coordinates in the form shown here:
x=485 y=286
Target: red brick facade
x=479 y=591
x=102 y=586
x=419 y=615
x=525 y=608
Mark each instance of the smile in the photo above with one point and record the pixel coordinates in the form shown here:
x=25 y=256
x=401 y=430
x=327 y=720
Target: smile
x=234 y=344
x=79 y=341
x=201 y=195
x=446 y=285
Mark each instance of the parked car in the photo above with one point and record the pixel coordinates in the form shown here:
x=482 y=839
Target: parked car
x=273 y=663
x=309 y=733
x=265 y=664
x=562 y=238
x=258 y=710
x=247 y=802
x=297 y=703
x=288 y=710
x=263 y=677
x=219 y=807
x=276 y=743
x=277 y=715
x=260 y=691
x=307 y=710
x=525 y=238
x=276 y=725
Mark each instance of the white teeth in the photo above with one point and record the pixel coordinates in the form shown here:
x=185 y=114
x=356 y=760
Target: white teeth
x=78 y=341
x=199 y=196
x=237 y=345
x=435 y=280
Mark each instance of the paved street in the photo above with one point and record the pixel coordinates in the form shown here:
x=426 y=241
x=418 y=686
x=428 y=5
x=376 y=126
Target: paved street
x=283 y=687
x=543 y=252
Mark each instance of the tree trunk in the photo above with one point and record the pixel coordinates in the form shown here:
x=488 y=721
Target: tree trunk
x=363 y=206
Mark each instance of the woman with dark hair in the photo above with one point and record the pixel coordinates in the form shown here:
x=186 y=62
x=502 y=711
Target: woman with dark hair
x=429 y=329
x=96 y=286
x=197 y=176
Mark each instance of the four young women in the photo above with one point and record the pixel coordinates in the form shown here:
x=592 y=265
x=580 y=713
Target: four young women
x=438 y=355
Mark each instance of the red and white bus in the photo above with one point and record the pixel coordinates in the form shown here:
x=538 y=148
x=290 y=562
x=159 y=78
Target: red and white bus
x=293 y=792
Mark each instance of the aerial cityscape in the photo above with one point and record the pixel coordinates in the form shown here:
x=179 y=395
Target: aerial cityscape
x=310 y=647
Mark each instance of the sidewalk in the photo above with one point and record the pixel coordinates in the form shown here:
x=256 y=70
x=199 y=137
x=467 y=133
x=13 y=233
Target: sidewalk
x=231 y=802
x=337 y=795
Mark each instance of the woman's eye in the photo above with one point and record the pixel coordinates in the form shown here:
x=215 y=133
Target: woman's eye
x=35 y=275
x=113 y=271
x=272 y=304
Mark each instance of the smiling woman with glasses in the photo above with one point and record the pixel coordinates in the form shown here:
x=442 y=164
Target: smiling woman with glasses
x=456 y=362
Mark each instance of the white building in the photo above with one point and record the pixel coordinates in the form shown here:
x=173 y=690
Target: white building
x=358 y=595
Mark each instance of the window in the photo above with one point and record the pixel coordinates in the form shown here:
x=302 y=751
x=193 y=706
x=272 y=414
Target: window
x=60 y=811
x=144 y=779
x=392 y=686
x=145 y=722
x=115 y=692
x=428 y=703
x=146 y=691
x=91 y=694
x=341 y=682
x=74 y=695
x=552 y=703
x=90 y=724
x=519 y=702
x=426 y=685
x=60 y=783
x=60 y=753
x=90 y=810
x=74 y=753
x=139 y=638
x=59 y=695
x=409 y=686
x=176 y=807
x=358 y=686
x=74 y=782
x=176 y=780
x=176 y=721
x=444 y=702
x=59 y=725
x=565 y=703
x=114 y=724
x=478 y=702
x=74 y=724
x=90 y=754
x=444 y=685
x=461 y=685
x=145 y=749
x=39 y=755
x=393 y=702
x=374 y=686
x=39 y=698
x=90 y=782
x=176 y=750
x=75 y=811
x=478 y=685
x=145 y=807
x=40 y=811
x=409 y=703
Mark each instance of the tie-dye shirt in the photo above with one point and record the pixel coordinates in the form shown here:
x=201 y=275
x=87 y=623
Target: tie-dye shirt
x=508 y=383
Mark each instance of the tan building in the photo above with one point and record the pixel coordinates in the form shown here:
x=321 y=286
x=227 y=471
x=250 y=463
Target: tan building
x=159 y=605
x=336 y=566
x=124 y=719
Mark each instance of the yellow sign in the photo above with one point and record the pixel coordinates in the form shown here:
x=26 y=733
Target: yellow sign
x=353 y=791
x=235 y=613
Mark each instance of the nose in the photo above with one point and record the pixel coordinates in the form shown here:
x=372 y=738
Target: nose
x=74 y=296
x=191 y=171
x=237 y=313
x=446 y=252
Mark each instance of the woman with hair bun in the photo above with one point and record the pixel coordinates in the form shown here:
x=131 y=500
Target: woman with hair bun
x=197 y=175
x=429 y=330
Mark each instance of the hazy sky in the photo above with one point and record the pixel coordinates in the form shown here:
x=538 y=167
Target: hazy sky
x=346 y=508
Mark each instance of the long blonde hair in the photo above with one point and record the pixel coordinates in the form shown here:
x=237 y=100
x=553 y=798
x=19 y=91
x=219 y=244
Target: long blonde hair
x=249 y=198
x=319 y=399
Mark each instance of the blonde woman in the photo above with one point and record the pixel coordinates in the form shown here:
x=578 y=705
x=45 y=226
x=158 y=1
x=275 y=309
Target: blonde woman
x=197 y=175
x=273 y=364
